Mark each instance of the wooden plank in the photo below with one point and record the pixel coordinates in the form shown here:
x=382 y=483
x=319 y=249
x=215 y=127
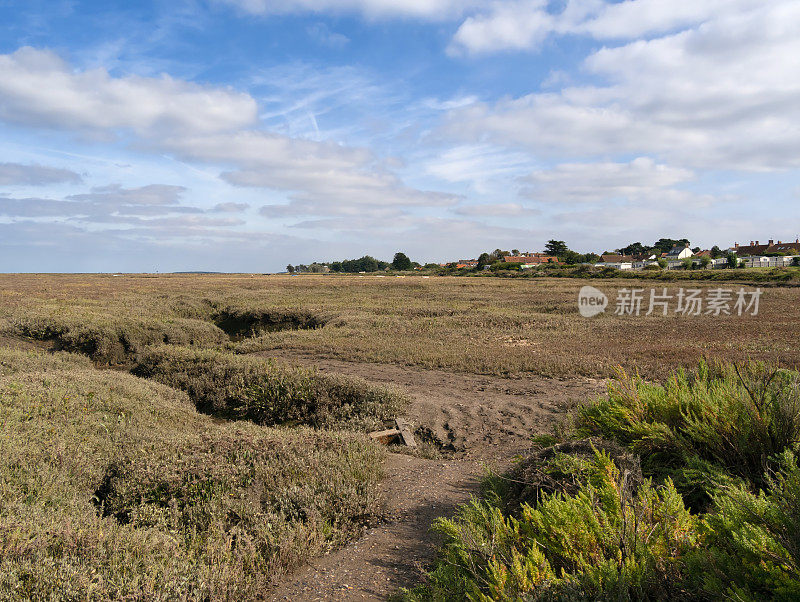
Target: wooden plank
x=405 y=432
x=386 y=437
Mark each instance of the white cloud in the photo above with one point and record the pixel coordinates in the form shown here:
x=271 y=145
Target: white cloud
x=198 y=124
x=230 y=207
x=476 y=163
x=525 y=24
x=495 y=210
x=323 y=35
x=106 y=204
x=724 y=95
x=35 y=175
x=641 y=179
x=319 y=176
x=425 y=9
x=38 y=88
x=115 y=195
x=510 y=25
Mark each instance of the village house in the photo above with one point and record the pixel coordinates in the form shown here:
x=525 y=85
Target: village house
x=756 y=249
x=620 y=262
x=530 y=259
x=677 y=253
x=770 y=255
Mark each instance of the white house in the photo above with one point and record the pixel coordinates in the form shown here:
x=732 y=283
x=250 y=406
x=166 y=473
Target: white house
x=620 y=262
x=678 y=253
x=780 y=261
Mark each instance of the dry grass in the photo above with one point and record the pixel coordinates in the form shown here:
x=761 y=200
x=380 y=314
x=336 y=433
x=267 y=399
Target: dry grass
x=112 y=487
x=476 y=325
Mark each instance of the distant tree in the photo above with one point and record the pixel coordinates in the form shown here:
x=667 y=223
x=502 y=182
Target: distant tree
x=336 y=266
x=665 y=245
x=301 y=268
x=705 y=260
x=401 y=262
x=796 y=261
x=515 y=252
x=484 y=259
x=432 y=266
x=290 y=268
x=571 y=257
x=733 y=260
x=557 y=248
x=635 y=249
x=716 y=252
x=591 y=258
x=688 y=264
x=662 y=263
x=499 y=254
x=696 y=250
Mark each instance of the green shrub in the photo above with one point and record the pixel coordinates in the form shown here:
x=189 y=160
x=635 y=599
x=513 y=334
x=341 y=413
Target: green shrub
x=254 y=389
x=704 y=427
x=608 y=541
x=112 y=487
x=753 y=548
x=576 y=520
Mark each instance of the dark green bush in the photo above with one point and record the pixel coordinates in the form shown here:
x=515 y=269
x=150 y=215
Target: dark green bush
x=239 y=387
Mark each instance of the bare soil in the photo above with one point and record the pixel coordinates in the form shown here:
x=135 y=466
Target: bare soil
x=479 y=422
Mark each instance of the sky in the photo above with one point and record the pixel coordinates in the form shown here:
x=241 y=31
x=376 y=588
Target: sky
x=243 y=135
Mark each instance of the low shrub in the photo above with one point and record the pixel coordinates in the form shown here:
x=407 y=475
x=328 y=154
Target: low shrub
x=112 y=487
x=702 y=428
x=753 y=540
x=552 y=469
x=110 y=339
x=608 y=541
x=576 y=520
x=240 y=387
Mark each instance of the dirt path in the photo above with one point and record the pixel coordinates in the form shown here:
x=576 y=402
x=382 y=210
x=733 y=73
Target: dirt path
x=483 y=421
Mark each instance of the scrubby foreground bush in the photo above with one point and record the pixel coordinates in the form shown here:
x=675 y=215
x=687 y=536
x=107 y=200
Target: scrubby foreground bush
x=241 y=387
x=571 y=525
x=112 y=487
x=717 y=425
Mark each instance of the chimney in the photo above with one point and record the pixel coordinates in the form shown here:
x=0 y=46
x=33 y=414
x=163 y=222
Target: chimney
x=736 y=245
x=771 y=242
x=687 y=245
x=752 y=243
x=779 y=242
x=758 y=243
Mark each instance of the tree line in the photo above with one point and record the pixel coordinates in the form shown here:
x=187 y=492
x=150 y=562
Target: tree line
x=367 y=264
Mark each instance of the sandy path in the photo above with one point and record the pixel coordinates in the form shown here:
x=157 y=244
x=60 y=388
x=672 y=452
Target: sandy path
x=484 y=420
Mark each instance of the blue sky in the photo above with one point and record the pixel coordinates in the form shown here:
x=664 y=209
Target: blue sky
x=241 y=135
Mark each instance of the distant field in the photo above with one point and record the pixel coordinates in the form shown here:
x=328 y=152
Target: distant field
x=488 y=326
